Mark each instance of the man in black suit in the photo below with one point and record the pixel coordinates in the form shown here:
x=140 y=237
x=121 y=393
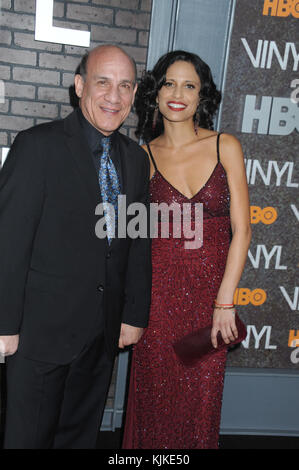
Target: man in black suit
x=68 y=298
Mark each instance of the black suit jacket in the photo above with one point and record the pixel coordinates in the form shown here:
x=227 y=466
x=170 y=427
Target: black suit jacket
x=56 y=275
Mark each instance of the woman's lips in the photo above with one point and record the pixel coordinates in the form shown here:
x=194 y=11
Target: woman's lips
x=176 y=106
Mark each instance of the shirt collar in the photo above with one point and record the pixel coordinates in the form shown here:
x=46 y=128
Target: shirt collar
x=92 y=134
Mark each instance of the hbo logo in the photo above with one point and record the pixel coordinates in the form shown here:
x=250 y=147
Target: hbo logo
x=267 y=216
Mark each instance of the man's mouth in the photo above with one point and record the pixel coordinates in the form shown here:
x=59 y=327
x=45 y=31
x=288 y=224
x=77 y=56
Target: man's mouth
x=109 y=110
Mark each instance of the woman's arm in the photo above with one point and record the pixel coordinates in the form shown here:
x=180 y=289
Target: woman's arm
x=233 y=162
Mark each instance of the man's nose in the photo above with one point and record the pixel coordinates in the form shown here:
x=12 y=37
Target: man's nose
x=112 y=95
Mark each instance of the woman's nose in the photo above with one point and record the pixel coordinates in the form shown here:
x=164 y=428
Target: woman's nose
x=177 y=91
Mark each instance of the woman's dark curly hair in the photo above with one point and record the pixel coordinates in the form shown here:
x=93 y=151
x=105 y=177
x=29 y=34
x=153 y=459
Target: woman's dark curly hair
x=152 y=81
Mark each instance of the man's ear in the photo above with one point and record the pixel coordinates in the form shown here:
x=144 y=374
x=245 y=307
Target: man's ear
x=134 y=93
x=79 y=85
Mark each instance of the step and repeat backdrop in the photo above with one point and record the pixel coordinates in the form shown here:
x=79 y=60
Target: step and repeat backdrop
x=261 y=108
x=38 y=56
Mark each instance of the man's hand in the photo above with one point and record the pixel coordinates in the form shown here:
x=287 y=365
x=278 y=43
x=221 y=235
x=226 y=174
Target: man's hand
x=129 y=335
x=9 y=345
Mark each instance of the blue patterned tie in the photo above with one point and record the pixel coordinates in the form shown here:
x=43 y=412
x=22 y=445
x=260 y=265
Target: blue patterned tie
x=109 y=184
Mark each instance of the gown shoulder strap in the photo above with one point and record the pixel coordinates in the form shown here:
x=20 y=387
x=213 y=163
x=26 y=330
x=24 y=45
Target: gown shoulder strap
x=218 y=152
x=151 y=156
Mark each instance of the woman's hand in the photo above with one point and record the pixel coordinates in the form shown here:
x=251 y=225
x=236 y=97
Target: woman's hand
x=224 y=321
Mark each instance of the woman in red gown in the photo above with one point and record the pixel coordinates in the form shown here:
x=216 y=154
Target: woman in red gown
x=171 y=406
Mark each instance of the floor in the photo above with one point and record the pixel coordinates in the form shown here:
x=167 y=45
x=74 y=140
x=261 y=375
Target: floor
x=112 y=440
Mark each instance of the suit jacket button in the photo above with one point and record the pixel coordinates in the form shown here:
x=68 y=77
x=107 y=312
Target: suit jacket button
x=100 y=288
x=108 y=255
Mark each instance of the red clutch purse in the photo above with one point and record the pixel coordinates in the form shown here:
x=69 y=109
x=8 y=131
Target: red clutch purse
x=197 y=345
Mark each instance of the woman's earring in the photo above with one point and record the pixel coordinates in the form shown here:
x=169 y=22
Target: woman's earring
x=155 y=117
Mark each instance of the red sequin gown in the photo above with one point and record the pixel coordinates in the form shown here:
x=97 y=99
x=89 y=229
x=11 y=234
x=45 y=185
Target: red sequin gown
x=171 y=406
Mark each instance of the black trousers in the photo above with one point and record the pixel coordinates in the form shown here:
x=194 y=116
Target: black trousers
x=57 y=406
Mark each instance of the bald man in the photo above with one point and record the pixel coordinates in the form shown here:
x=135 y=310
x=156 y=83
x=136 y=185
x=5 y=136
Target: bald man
x=69 y=297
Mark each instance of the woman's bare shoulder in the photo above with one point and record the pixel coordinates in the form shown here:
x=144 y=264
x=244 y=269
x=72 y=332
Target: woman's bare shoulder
x=153 y=144
x=205 y=133
x=230 y=150
x=229 y=141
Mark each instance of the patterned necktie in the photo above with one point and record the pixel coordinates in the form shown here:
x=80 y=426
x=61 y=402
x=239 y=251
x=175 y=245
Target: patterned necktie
x=110 y=187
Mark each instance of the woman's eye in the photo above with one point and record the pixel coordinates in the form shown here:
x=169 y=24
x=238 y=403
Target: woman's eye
x=189 y=85
x=168 y=84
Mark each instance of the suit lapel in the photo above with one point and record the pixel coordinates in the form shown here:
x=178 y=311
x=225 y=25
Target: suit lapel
x=128 y=173
x=82 y=156
x=81 y=153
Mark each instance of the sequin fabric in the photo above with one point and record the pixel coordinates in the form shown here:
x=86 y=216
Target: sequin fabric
x=171 y=406
x=110 y=188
